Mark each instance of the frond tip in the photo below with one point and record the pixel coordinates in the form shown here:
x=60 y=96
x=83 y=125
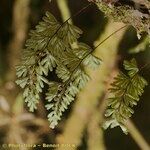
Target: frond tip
x=126 y=90
x=48 y=49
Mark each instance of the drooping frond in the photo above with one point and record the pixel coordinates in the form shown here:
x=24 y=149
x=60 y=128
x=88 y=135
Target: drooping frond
x=49 y=48
x=125 y=93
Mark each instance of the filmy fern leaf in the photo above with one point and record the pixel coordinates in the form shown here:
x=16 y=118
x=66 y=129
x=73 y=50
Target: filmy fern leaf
x=49 y=48
x=126 y=90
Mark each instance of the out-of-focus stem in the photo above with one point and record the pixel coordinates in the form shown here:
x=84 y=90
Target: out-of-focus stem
x=20 y=17
x=63 y=7
x=95 y=133
x=21 y=12
x=136 y=135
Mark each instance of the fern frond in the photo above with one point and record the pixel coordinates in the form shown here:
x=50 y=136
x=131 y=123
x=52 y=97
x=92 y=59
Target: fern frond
x=85 y=52
x=126 y=91
x=49 y=48
x=59 y=97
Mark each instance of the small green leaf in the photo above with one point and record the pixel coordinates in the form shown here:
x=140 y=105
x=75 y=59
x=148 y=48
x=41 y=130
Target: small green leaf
x=125 y=92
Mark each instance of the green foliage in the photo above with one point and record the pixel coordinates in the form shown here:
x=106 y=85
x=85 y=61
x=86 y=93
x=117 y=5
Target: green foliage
x=125 y=92
x=49 y=48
